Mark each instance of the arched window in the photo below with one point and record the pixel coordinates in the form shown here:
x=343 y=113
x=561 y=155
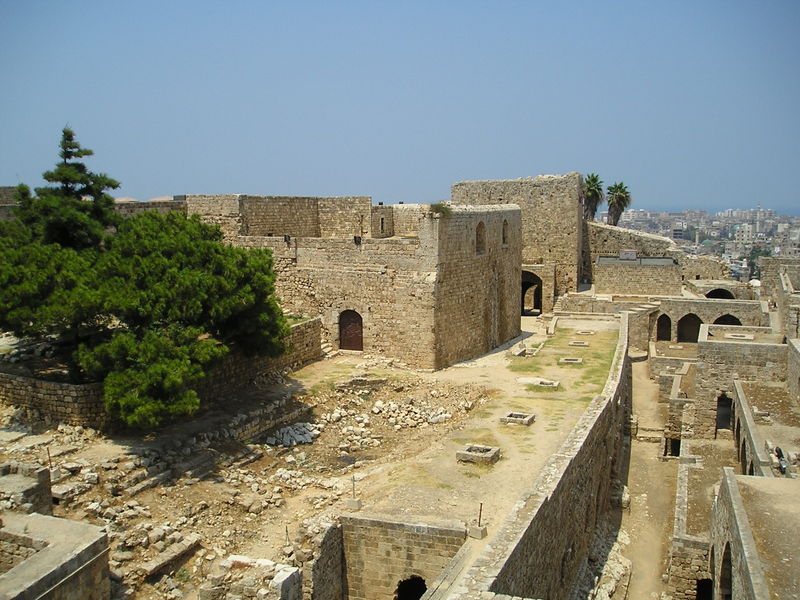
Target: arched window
x=505 y=233
x=663 y=328
x=480 y=238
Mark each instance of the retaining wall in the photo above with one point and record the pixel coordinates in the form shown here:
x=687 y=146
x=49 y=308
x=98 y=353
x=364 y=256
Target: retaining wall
x=83 y=404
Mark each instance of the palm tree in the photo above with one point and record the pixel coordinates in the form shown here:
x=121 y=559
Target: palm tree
x=593 y=195
x=619 y=198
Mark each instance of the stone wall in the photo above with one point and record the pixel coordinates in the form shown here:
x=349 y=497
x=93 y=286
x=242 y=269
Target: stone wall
x=720 y=362
x=279 y=216
x=552 y=219
x=55 y=401
x=324 y=577
x=381 y=552
x=71 y=562
x=477 y=295
x=408 y=218
x=793 y=369
x=739 y=291
x=730 y=530
x=749 y=443
x=383 y=221
x=345 y=217
x=661 y=280
x=640 y=324
x=129 y=209
x=544 y=541
x=26 y=487
x=220 y=209
x=83 y=404
x=236 y=371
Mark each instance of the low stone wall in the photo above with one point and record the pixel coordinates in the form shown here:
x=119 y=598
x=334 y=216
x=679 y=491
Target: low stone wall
x=83 y=404
x=16 y=548
x=749 y=313
x=640 y=324
x=544 y=542
x=55 y=401
x=721 y=362
x=730 y=530
x=26 y=487
x=373 y=564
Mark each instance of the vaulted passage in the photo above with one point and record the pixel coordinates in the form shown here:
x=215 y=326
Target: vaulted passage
x=351 y=331
x=726 y=575
x=410 y=589
x=531 y=293
x=724 y=404
x=721 y=294
x=689 y=328
x=664 y=328
x=727 y=320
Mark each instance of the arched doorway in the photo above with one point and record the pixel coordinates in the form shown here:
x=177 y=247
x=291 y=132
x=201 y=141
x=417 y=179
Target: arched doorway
x=664 y=328
x=726 y=575
x=727 y=320
x=410 y=589
x=351 y=331
x=721 y=294
x=531 y=293
x=689 y=328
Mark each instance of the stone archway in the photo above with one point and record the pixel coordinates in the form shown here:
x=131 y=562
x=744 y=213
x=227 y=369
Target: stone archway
x=351 y=331
x=531 y=301
x=724 y=408
x=689 y=328
x=663 y=328
x=727 y=320
x=720 y=294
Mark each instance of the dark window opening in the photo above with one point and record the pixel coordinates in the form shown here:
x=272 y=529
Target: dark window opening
x=382 y=225
x=351 y=331
x=505 y=233
x=410 y=589
x=672 y=447
x=704 y=589
x=480 y=238
x=725 y=575
x=724 y=404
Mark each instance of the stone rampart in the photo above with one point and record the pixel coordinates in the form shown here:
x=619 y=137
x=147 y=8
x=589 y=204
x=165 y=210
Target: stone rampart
x=544 y=542
x=735 y=557
x=380 y=552
x=279 y=216
x=345 y=217
x=737 y=289
x=217 y=209
x=552 y=219
x=408 y=218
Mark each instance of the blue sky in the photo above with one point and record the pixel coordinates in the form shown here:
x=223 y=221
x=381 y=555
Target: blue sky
x=691 y=104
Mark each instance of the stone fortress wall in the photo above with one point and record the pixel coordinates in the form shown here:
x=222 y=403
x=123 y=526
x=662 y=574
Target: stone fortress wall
x=637 y=277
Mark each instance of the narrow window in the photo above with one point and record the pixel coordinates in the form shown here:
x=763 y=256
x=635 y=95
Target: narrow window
x=480 y=238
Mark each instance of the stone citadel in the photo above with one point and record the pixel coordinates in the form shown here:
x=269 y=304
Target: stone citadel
x=428 y=287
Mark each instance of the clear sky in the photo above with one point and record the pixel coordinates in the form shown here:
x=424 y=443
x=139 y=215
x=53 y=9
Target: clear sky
x=693 y=104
